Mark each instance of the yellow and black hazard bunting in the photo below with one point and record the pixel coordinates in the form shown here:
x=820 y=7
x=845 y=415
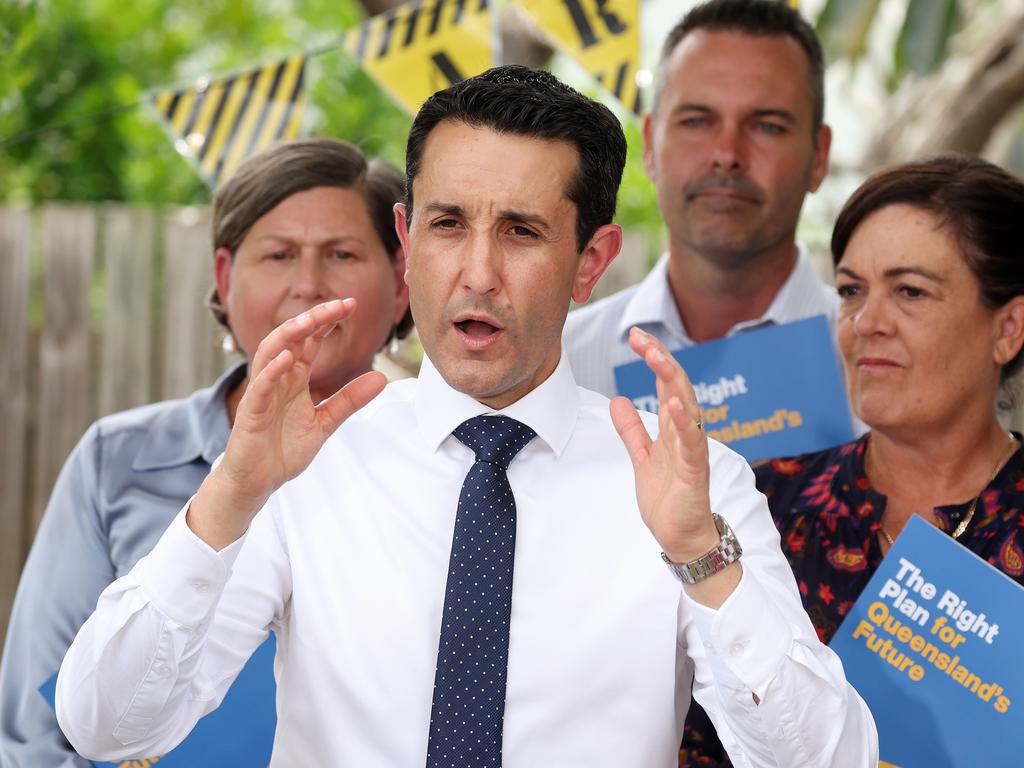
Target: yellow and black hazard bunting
x=219 y=123
x=423 y=46
x=602 y=35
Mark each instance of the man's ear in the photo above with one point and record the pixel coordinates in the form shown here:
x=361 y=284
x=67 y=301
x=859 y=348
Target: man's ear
x=819 y=165
x=401 y=287
x=1009 y=331
x=222 y=274
x=402 y=230
x=649 y=147
x=602 y=248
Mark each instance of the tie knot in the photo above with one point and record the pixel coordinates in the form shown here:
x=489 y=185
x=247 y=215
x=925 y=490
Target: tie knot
x=494 y=439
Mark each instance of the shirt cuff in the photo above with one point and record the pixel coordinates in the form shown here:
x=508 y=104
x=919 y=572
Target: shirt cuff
x=746 y=639
x=183 y=576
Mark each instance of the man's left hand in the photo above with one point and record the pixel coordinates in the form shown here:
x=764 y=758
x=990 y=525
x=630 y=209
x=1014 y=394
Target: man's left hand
x=672 y=471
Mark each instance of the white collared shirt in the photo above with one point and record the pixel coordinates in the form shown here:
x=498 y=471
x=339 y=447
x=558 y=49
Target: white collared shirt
x=596 y=336
x=348 y=563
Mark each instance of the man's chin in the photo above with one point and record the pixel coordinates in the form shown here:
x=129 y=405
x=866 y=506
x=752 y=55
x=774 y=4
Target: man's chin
x=485 y=380
x=473 y=377
x=726 y=246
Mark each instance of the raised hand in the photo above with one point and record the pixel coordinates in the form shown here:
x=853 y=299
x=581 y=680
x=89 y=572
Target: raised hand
x=672 y=471
x=278 y=428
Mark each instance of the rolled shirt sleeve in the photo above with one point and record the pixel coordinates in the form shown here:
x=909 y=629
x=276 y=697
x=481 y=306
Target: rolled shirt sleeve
x=761 y=643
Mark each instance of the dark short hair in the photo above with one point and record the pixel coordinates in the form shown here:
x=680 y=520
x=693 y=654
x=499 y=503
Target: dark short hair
x=978 y=203
x=534 y=103
x=270 y=177
x=757 y=18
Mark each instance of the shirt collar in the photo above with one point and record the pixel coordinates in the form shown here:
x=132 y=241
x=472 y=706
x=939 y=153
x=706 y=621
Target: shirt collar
x=799 y=297
x=197 y=428
x=550 y=409
x=653 y=303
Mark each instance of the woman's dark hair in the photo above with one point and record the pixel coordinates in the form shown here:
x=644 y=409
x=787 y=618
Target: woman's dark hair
x=978 y=203
x=269 y=177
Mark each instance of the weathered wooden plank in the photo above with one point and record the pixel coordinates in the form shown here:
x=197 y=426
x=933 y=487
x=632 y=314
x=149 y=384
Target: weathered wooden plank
x=15 y=250
x=125 y=373
x=191 y=350
x=65 y=373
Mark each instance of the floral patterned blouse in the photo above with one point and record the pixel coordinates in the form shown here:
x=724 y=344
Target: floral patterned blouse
x=828 y=514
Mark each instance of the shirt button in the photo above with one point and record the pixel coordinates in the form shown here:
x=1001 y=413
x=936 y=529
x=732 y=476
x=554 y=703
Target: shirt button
x=200 y=585
x=738 y=648
x=163 y=671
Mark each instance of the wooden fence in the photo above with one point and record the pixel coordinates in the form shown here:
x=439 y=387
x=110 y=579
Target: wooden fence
x=102 y=308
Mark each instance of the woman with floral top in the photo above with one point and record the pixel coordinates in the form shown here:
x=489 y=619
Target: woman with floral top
x=929 y=261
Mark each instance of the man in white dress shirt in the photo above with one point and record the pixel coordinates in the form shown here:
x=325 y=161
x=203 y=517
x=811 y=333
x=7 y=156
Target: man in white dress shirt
x=734 y=142
x=331 y=524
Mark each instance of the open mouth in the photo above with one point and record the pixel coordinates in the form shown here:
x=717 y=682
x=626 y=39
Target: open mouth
x=477 y=329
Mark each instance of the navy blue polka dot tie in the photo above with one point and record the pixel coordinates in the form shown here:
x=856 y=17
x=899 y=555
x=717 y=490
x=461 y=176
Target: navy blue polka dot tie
x=472 y=656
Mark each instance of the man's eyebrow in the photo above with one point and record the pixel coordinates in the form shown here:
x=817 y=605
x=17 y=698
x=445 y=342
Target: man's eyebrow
x=691 y=107
x=897 y=272
x=447 y=208
x=776 y=112
x=781 y=114
x=452 y=209
x=532 y=219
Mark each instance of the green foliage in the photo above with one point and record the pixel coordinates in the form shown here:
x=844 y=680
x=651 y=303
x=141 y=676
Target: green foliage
x=348 y=104
x=924 y=37
x=928 y=25
x=85 y=67
x=843 y=26
x=638 y=203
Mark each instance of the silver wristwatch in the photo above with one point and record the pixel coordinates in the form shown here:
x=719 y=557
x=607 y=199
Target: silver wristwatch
x=728 y=551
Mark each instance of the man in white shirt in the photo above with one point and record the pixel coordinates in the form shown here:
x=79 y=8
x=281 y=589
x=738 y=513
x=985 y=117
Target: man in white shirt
x=587 y=656
x=734 y=141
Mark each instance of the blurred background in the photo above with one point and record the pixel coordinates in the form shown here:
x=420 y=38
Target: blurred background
x=104 y=246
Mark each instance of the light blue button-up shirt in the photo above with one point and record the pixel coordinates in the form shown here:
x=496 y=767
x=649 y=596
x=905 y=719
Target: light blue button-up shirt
x=120 y=488
x=596 y=336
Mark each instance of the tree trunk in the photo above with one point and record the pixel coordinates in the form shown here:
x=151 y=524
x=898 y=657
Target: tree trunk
x=964 y=118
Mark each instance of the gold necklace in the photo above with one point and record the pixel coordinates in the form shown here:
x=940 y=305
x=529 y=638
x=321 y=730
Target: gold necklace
x=1003 y=457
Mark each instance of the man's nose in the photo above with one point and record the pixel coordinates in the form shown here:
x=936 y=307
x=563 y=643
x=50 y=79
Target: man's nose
x=482 y=262
x=727 y=153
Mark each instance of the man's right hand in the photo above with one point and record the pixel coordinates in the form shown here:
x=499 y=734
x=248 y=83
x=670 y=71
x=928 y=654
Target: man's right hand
x=278 y=428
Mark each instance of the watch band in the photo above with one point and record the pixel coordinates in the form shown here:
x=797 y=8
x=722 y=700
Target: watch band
x=728 y=551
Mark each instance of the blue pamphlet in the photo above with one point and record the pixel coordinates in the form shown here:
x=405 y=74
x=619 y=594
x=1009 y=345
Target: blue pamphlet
x=776 y=391
x=933 y=646
x=239 y=732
